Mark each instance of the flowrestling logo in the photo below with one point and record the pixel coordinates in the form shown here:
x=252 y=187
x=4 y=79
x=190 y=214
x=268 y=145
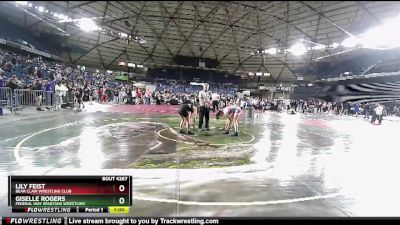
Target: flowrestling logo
x=36 y=220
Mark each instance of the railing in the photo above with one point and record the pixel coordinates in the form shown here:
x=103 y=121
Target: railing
x=20 y=98
x=38 y=98
x=6 y=99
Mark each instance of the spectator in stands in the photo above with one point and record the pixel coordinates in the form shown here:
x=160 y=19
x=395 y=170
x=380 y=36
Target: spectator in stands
x=378 y=113
x=134 y=96
x=396 y=110
x=356 y=109
x=1 y=80
x=61 y=92
x=49 y=88
x=13 y=83
x=104 y=97
x=37 y=86
x=319 y=107
x=367 y=110
x=79 y=97
x=147 y=97
x=99 y=94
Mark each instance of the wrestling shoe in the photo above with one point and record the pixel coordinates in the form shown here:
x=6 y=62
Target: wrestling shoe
x=235 y=134
x=190 y=133
x=226 y=132
x=181 y=132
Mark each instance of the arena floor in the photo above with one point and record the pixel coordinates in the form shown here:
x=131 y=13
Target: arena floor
x=280 y=165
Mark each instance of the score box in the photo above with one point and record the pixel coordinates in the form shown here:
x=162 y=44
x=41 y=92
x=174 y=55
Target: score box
x=68 y=191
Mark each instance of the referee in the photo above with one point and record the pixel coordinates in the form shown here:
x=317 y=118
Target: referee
x=204 y=102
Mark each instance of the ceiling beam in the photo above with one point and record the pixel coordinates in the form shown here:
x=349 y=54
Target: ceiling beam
x=92 y=48
x=82 y=4
x=362 y=5
x=327 y=18
x=195 y=27
x=112 y=61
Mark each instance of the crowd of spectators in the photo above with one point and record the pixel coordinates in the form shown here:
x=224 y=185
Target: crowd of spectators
x=19 y=71
x=319 y=106
x=22 y=71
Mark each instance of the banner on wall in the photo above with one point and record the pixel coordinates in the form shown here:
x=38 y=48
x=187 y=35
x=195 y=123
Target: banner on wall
x=122 y=76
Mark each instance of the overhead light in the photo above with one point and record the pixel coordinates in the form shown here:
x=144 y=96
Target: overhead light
x=259 y=74
x=139 y=66
x=121 y=63
x=350 y=42
x=382 y=36
x=251 y=74
x=47 y=11
x=297 y=49
x=30 y=4
x=267 y=74
x=97 y=71
x=335 y=45
x=87 y=24
x=131 y=65
x=41 y=9
x=271 y=51
x=109 y=71
x=21 y=2
x=318 y=47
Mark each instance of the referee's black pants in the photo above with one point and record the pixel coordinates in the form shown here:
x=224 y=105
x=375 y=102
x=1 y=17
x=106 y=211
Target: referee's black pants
x=215 y=105
x=204 y=113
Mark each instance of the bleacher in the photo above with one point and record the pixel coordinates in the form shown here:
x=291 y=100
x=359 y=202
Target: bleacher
x=355 y=66
x=185 y=88
x=386 y=66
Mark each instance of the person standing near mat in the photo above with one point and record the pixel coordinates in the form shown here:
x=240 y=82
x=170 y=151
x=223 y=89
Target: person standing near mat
x=204 y=102
x=215 y=101
x=185 y=111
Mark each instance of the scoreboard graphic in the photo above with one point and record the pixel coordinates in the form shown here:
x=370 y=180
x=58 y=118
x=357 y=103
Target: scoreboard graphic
x=70 y=194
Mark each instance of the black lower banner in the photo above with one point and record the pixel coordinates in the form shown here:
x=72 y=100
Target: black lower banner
x=180 y=220
x=208 y=220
